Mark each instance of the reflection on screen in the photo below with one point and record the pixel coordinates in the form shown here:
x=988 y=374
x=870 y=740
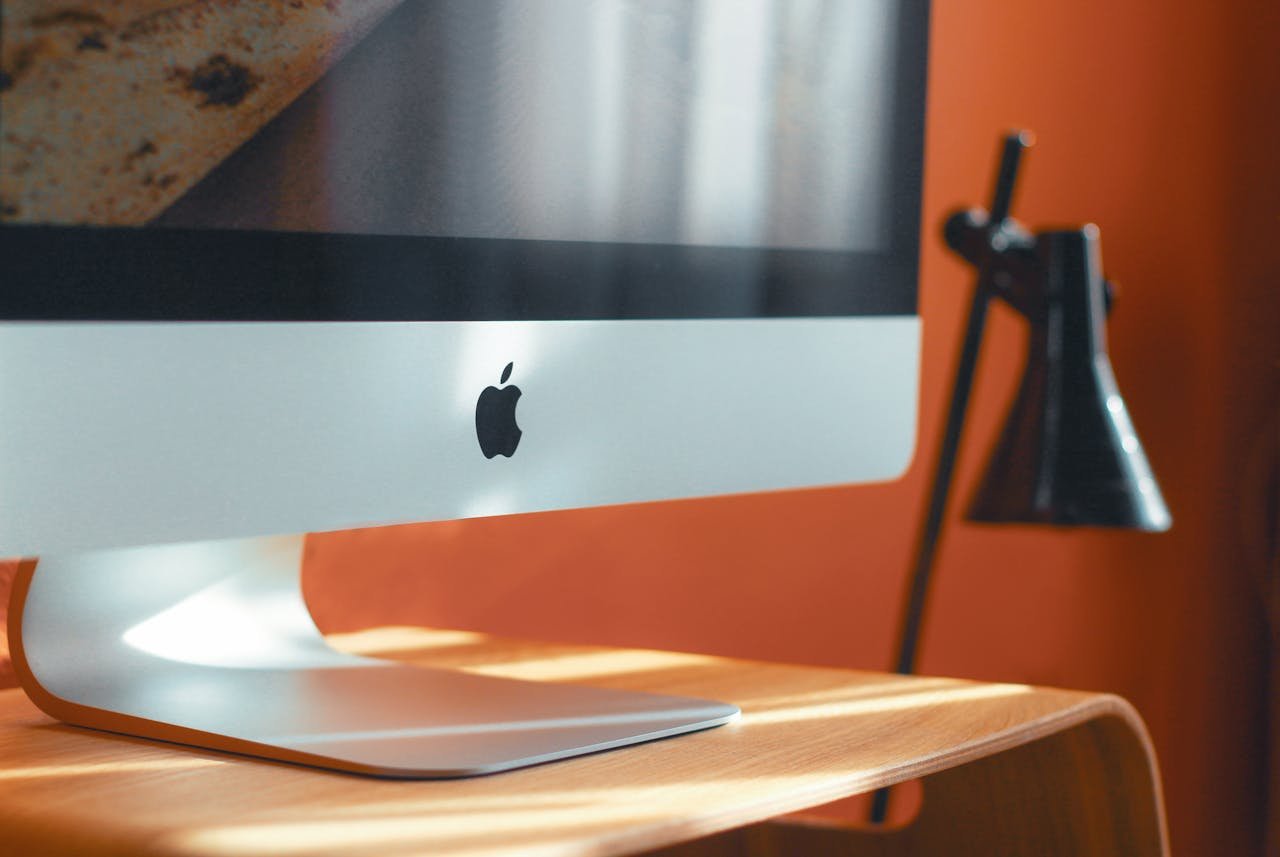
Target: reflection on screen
x=724 y=123
x=714 y=122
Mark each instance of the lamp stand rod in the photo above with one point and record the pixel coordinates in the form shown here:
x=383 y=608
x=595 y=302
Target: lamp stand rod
x=944 y=464
x=1015 y=144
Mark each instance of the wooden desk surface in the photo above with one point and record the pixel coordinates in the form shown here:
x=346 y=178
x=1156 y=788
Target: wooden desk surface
x=807 y=736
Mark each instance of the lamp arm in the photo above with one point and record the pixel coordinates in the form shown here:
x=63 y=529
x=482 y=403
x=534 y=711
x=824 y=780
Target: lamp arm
x=1017 y=270
x=1010 y=252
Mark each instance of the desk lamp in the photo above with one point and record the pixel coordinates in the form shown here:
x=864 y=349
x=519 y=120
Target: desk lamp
x=1068 y=455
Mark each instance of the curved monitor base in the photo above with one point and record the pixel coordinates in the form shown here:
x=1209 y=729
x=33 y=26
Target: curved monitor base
x=210 y=644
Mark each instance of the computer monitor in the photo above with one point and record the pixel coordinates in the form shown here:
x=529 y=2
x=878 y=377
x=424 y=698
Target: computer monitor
x=272 y=269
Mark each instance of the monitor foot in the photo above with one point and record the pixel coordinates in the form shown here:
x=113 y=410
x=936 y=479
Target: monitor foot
x=210 y=644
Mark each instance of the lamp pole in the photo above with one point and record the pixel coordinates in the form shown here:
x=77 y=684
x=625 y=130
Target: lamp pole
x=1015 y=143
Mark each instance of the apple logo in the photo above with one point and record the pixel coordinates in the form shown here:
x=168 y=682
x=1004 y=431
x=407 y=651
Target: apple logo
x=496 y=427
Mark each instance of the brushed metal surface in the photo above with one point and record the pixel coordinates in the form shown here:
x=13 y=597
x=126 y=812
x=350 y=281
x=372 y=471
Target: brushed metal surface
x=121 y=434
x=210 y=644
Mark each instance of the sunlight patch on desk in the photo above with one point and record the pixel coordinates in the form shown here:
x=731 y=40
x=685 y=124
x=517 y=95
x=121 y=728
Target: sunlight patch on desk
x=459 y=832
x=384 y=641
x=895 y=686
x=859 y=705
x=451 y=825
x=107 y=769
x=590 y=665
x=563 y=667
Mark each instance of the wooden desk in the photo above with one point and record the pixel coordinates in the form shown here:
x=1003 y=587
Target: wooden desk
x=1009 y=769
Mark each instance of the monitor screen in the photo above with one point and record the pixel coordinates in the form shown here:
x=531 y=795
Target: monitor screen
x=465 y=160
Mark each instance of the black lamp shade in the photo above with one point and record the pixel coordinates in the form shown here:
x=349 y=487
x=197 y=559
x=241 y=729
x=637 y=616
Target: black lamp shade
x=1069 y=454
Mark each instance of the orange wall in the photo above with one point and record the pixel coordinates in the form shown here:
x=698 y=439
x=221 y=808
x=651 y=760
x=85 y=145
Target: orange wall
x=1137 y=106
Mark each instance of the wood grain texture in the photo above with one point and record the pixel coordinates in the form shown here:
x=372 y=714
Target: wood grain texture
x=1086 y=790
x=807 y=736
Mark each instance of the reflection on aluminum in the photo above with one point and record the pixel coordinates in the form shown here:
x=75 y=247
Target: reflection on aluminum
x=486 y=348
x=212 y=628
x=479 y=728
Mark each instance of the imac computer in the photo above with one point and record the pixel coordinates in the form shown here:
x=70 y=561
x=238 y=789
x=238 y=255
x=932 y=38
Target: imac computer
x=275 y=268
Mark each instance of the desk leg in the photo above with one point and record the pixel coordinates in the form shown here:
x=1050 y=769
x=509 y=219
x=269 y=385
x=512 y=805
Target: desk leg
x=1092 y=789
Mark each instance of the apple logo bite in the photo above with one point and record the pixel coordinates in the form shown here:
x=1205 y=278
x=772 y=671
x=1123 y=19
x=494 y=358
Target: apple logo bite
x=496 y=427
